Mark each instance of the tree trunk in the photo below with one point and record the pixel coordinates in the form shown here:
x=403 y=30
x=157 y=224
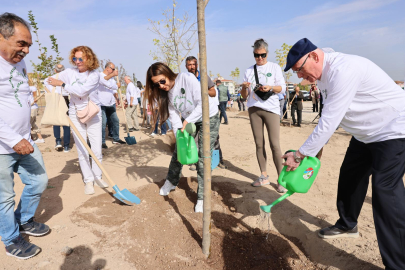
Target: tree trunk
x=206 y=239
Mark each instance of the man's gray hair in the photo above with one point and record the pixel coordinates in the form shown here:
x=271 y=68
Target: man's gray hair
x=127 y=77
x=8 y=22
x=108 y=64
x=59 y=68
x=260 y=44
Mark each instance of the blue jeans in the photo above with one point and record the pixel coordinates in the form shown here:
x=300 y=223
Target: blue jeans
x=163 y=128
x=110 y=113
x=66 y=134
x=31 y=170
x=169 y=125
x=222 y=108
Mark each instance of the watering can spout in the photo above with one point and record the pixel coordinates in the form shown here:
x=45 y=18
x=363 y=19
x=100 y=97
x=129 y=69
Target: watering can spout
x=267 y=208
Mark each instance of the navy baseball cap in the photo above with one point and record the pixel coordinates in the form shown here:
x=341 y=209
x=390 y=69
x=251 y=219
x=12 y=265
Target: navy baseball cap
x=301 y=48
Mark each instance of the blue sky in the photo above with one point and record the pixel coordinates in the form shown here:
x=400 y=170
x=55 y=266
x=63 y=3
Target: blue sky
x=118 y=30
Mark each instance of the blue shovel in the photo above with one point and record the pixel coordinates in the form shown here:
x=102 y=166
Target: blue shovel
x=123 y=195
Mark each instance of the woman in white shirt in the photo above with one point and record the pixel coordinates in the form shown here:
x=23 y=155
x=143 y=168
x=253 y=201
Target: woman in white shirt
x=81 y=82
x=173 y=95
x=264 y=112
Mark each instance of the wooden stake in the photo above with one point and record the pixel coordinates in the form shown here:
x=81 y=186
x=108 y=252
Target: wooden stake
x=206 y=239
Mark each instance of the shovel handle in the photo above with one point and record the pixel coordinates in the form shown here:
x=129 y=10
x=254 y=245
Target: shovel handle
x=90 y=152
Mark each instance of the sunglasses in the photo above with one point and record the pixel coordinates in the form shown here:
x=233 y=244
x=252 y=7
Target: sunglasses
x=257 y=55
x=298 y=70
x=159 y=83
x=75 y=59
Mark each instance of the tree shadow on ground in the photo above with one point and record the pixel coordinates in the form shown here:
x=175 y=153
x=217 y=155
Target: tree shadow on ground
x=288 y=219
x=81 y=259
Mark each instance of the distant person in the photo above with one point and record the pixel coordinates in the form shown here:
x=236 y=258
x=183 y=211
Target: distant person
x=178 y=97
x=108 y=96
x=281 y=101
x=34 y=113
x=264 y=113
x=296 y=106
x=140 y=91
x=223 y=96
x=314 y=97
x=81 y=82
x=56 y=129
x=18 y=153
x=132 y=100
x=366 y=102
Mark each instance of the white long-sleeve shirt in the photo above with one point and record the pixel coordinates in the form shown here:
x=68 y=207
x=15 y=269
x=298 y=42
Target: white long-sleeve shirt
x=360 y=97
x=131 y=92
x=81 y=86
x=106 y=90
x=269 y=74
x=185 y=99
x=15 y=105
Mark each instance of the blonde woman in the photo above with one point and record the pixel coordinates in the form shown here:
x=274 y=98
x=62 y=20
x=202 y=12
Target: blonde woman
x=81 y=82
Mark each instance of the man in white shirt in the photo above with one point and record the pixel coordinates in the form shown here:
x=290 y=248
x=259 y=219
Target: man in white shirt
x=56 y=129
x=18 y=153
x=107 y=94
x=132 y=101
x=367 y=103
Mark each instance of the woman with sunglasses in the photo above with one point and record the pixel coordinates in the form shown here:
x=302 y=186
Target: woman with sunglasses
x=81 y=82
x=264 y=112
x=178 y=98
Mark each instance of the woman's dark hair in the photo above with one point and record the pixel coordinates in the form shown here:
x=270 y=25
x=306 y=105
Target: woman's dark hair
x=157 y=98
x=139 y=84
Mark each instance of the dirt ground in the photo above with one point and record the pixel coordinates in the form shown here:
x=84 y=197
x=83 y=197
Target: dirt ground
x=165 y=233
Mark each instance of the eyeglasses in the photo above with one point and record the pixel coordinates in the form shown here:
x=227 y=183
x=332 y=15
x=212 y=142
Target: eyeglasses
x=112 y=68
x=296 y=71
x=75 y=59
x=159 y=83
x=257 y=55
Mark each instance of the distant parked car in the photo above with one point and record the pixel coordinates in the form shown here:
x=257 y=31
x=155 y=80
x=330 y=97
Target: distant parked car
x=306 y=95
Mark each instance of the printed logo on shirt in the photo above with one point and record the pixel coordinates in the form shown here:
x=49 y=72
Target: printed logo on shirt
x=268 y=74
x=183 y=91
x=16 y=88
x=180 y=99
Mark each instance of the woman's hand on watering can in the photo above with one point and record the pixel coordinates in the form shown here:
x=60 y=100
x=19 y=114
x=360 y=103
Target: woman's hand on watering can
x=184 y=125
x=290 y=161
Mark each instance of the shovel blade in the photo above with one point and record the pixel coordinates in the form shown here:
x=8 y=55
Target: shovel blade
x=126 y=196
x=130 y=140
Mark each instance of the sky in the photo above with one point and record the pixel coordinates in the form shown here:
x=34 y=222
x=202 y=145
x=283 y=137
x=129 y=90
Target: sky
x=118 y=30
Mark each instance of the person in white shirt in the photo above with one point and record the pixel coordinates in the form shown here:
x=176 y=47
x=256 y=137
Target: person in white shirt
x=18 y=153
x=81 y=83
x=368 y=104
x=132 y=101
x=107 y=94
x=264 y=112
x=56 y=129
x=177 y=97
x=34 y=112
x=140 y=91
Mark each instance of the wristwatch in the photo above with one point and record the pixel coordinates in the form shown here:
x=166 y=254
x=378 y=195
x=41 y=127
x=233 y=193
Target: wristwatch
x=271 y=90
x=63 y=85
x=297 y=158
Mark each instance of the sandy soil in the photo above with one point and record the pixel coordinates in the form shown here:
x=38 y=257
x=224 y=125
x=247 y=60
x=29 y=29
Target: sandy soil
x=165 y=233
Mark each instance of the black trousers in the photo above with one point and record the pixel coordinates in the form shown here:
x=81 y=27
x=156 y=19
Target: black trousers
x=385 y=162
x=294 y=108
x=315 y=106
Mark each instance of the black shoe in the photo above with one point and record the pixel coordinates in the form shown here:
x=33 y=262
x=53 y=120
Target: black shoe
x=299 y=125
x=131 y=130
x=21 y=249
x=225 y=123
x=66 y=149
x=34 y=228
x=222 y=166
x=104 y=146
x=58 y=146
x=335 y=232
x=119 y=142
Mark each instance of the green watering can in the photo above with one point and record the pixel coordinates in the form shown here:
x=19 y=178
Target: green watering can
x=299 y=180
x=187 y=152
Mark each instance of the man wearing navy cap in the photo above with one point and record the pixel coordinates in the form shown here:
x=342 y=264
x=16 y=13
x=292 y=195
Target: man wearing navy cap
x=368 y=104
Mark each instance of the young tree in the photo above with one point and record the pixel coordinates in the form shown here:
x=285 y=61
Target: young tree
x=281 y=57
x=176 y=37
x=47 y=62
